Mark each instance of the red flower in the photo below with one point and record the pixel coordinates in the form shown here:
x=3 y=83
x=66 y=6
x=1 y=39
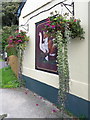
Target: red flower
x=53 y=26
x=40 y=97
x=11 y=37
x=48 y=19
x=36 y=104
x=48 y=24
x=54 y=111
x=19 y=40
x=10 y=41
x=22 y=36
x=75 y=20
x=18 y=35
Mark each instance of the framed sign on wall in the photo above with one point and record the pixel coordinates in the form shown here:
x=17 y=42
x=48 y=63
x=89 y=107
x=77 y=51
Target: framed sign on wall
x=46 y=51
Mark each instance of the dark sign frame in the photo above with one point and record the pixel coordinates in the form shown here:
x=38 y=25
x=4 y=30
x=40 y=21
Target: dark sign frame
x=46 y=52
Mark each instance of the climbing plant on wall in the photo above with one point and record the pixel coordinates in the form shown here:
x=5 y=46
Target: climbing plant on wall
x=62 y=29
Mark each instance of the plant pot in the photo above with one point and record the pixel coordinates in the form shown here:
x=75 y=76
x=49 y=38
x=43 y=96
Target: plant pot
x=13 y=62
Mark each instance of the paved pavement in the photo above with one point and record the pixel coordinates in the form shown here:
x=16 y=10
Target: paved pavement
x=22 y=103
x=2 y=64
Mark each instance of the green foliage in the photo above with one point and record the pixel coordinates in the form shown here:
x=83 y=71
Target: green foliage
x=11 y=51
x=8 y=78
x=18 y=40
x=14 y=42
x=1 y=59
x=62 y=30
x=9 y=13
x=57 y=22
x=83 y=117
x=76 y=29
x=9 y=20
x=63 y=69
x=6 y=32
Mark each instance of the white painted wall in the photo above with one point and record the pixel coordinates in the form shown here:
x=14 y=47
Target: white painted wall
x=32 y=5
x=77 y=49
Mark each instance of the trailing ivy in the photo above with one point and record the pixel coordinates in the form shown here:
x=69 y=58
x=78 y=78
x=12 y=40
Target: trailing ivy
x=63 y=69
x=20 y=61
x=62 y=30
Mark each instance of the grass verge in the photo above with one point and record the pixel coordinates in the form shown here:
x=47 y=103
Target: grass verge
x=8 y=78
x=1 y=60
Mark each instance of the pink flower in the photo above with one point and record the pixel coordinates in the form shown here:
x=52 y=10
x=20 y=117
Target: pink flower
x=22 y=36
x=11 y=37
x=53 y=26
x=10 y=41
x=26 y=92
x=16 y=31
x=36 y=104
x=75 y=20
x=18 y=35
x=58 y=25
x=48 y=19
x=48 y=24
x=54 y=110
x=19 y=40
x=40 y=97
